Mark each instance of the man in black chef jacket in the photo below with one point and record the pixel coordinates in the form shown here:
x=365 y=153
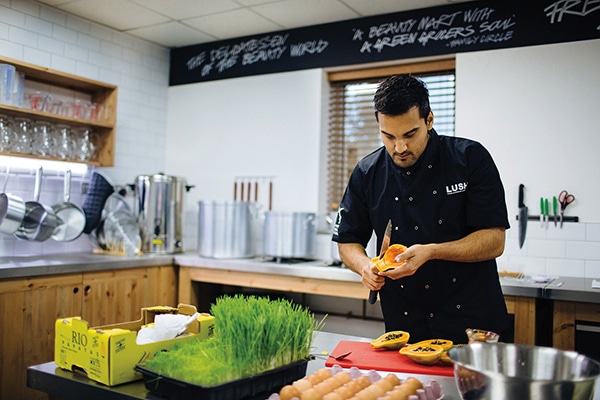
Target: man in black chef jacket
x=446 y=202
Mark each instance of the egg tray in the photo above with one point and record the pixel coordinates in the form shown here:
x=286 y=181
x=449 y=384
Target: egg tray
x=255 y=386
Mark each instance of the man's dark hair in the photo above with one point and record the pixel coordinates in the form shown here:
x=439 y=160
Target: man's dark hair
x=399 y=93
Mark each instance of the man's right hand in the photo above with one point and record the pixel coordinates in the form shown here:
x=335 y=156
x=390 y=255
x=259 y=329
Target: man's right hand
x=370 y=277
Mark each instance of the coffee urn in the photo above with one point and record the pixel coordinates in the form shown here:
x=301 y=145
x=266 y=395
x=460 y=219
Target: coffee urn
x=159 y=210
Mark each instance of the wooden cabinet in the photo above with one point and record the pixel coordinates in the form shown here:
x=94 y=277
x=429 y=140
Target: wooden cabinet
x=29 y=308
x=103 y=94
x=565 y=317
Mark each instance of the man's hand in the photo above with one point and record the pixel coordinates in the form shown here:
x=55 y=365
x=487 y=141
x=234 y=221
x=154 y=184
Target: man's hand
x=370 y=277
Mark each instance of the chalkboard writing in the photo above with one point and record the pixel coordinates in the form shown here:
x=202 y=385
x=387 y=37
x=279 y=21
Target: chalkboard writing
x=470 y=26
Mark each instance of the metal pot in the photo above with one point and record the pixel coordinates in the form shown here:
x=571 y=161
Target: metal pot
x=289 y=234
x=159 y=211
x=226 y=229
x=40 y=220
x=12 y=210
x=511 y=371
x=331 y=220
x=71 y=217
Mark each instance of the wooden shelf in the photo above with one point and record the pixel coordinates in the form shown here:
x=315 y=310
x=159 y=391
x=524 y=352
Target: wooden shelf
x=100 y=93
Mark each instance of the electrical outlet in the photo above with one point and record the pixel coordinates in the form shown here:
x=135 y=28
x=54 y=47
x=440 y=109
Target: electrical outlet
x=84 y=187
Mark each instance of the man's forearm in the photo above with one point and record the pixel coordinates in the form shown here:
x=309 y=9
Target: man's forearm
x=481 y=245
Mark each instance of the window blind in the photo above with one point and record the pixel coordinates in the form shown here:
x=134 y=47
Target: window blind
x=354 y=132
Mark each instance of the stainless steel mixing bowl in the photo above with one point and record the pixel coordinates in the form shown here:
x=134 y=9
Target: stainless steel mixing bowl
x=510 y=371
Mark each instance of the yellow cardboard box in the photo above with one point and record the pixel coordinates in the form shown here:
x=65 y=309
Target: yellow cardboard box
x=108 y=354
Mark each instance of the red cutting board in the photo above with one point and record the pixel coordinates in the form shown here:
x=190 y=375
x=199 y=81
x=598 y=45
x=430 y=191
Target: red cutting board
x=366 y=357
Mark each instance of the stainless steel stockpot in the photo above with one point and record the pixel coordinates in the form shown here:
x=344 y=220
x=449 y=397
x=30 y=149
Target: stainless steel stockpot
x=289 y=234
x=226 y=229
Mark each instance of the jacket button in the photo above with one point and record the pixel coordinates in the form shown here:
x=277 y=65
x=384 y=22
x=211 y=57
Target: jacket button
x=416 y=227
x=439 y=221
x=396 y=198
x=430 y=166
x=454 y=280
x=458 y=306
x=435 y=192
x=401 y=286
x=426 y=286
x=405 y=312
x=431 y=315
x=410 y=198
x=407 y=172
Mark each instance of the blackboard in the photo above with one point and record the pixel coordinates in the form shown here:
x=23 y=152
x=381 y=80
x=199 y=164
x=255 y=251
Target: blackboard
x=470 y=26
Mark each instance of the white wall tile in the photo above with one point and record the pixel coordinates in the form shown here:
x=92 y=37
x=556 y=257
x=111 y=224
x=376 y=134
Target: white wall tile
x=583 y=250
x=592 y=269
x=565 y=267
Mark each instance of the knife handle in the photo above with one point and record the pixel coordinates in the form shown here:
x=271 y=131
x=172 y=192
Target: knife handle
x=373 y=296
x=521 y=189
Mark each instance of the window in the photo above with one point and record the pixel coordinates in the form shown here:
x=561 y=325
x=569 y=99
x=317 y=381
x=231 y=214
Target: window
x=353 y=130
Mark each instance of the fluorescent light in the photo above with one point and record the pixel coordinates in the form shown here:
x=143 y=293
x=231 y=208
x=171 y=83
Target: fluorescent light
x=47 y=165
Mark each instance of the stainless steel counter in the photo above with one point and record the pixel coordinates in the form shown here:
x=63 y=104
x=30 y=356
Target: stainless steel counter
x=23 y=267
x=559 y=288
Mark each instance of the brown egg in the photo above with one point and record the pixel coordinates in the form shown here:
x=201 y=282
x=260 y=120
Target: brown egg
x=363 y=381
x=413 y=383
x=288 y=392
x=333 y=396
x=302 y=384
x=345 y=392
x=322 y=374
x=400 y=392
x=310 y=394
x=393 y=379
x=342 y=377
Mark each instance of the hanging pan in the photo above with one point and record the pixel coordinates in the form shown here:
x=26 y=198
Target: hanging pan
x=12 y=210
x=71 y=217
x=40 y=220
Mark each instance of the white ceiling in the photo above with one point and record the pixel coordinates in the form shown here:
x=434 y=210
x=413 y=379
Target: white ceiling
x=176 y=23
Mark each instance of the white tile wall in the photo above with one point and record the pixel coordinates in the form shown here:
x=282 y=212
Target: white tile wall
x=573 y=250
x=44 y=36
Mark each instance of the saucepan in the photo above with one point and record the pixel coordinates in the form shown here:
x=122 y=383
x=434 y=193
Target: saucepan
x=40 y=220
x=71 y=217
x=12 y=210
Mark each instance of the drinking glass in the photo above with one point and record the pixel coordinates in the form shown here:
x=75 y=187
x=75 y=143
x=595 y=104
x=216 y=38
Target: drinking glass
x=85 y=142
x=7 y=135
x=64 y=142
x=23 y=134
x=43 y=140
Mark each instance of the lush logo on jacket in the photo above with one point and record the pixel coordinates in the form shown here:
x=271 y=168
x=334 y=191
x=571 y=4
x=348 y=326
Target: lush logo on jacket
x=456 y=188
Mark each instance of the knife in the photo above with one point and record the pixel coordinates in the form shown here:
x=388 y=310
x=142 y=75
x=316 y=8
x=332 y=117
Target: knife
x=541 y=212
x=546 y=212
x=555 y=206
x=522 y=216
x=385 y=244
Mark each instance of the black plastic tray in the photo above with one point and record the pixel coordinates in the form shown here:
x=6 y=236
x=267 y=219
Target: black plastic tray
x=250 y=387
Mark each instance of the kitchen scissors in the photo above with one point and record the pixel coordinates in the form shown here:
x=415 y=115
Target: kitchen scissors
x=564 y=198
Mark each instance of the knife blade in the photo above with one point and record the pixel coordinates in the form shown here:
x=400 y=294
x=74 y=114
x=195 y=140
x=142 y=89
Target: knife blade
x=522 y=216
x=385 y=244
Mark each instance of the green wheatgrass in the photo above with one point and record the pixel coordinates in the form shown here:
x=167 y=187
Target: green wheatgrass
x=252 y=335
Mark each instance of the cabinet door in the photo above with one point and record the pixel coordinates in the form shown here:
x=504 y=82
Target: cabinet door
x=29 y=309
x=117 y=296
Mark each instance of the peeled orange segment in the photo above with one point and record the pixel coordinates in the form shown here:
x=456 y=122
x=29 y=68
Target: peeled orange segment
x=388 y=260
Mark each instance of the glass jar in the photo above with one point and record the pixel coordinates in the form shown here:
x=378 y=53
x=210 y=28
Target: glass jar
x=43 y=139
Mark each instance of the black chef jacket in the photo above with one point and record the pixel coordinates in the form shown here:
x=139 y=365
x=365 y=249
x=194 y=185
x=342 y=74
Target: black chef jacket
x=452 y=190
